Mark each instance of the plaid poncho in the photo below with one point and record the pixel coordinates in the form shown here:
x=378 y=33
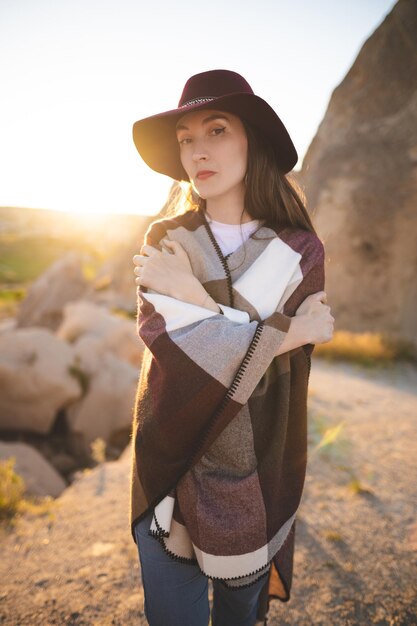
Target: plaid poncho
x=219 y=435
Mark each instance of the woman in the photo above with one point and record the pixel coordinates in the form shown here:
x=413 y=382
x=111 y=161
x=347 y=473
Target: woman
x=230 y=307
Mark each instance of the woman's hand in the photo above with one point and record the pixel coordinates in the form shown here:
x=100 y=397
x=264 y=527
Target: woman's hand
x=317 y=319
x=169 y=273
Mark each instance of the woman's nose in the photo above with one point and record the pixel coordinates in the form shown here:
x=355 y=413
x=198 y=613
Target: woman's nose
x=199 y=151
x=199 y=156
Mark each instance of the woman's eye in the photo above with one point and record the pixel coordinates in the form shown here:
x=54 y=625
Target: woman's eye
x=217 y=131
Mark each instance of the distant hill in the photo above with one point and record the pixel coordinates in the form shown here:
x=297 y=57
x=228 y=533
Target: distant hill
x=31 y=239
x=31 y=222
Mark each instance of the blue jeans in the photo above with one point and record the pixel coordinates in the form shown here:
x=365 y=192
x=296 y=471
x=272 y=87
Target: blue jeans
x=176 y=594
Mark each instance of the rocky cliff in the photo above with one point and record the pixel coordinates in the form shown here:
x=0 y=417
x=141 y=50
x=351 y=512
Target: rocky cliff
x=360 y=178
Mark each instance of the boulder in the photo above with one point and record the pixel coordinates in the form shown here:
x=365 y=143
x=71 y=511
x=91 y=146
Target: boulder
x=35 y=379
x=61 y=283
x=41 y=479
x=126 y=455
x=117 y=334
x=106 y=408
x=115 y=280
x=7 y=324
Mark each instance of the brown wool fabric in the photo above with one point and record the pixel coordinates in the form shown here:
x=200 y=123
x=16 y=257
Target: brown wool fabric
x=219 y=434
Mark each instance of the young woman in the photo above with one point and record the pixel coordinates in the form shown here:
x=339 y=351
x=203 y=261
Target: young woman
x=231 y=303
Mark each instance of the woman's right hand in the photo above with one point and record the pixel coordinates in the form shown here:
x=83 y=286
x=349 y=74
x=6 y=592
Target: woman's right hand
x=317 y=319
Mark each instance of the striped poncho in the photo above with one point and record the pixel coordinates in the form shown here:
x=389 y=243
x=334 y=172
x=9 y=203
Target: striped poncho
x=219 y=435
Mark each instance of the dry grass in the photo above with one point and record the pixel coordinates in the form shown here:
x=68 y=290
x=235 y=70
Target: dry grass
x=12 y=488
x=370 y=349
x=98 y=450
x=13 y=499
x=329 y=441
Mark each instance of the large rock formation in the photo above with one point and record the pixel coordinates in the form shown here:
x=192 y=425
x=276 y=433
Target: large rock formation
x=360 y=178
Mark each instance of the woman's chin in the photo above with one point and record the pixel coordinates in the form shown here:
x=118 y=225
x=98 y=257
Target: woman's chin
x=197 y=189
x=209 y=191
x=203 y=193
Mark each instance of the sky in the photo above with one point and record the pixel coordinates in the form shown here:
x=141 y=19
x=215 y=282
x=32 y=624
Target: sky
x=76 y=74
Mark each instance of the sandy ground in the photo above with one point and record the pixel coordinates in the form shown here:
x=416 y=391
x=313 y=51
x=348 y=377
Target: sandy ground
x=355 y=550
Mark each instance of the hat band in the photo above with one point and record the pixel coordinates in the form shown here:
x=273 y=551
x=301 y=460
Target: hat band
x=195 y=101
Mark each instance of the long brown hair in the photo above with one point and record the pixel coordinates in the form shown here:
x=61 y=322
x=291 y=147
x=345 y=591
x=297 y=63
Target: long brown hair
x=270 y=194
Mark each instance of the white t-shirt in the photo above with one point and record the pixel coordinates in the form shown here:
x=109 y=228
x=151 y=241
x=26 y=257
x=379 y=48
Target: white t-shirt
x=231 y=236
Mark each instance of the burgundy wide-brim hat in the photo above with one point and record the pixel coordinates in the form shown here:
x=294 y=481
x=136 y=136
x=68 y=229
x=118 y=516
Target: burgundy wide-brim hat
x=155 y=137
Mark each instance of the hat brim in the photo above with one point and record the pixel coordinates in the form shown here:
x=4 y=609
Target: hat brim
x=155 y=138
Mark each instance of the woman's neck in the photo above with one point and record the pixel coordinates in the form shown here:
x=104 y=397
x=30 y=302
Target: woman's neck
x=228 y=210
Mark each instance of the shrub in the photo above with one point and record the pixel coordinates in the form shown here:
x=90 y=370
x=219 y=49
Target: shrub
x=12 y=488
x=365 y=348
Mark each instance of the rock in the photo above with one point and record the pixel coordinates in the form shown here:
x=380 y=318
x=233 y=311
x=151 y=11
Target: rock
x=46 y=297
x=360 y=179
x=114 y=300
x=127 y=452
x=64 y=463
x=107 y=407
x=35 y=379
x=41 y=479
x=7 y=324
x=89 y=352
x=116 y=334
x=115 y=280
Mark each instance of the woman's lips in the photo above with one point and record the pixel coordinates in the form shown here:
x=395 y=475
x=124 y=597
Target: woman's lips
x=205 y=174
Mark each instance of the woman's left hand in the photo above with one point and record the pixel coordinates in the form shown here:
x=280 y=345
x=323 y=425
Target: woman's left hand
x=167 y=273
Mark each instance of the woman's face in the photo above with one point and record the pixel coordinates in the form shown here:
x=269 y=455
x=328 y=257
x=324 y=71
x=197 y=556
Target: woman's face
x=213 y=140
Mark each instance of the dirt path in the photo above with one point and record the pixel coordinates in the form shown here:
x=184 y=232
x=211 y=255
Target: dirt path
x=355 y=552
